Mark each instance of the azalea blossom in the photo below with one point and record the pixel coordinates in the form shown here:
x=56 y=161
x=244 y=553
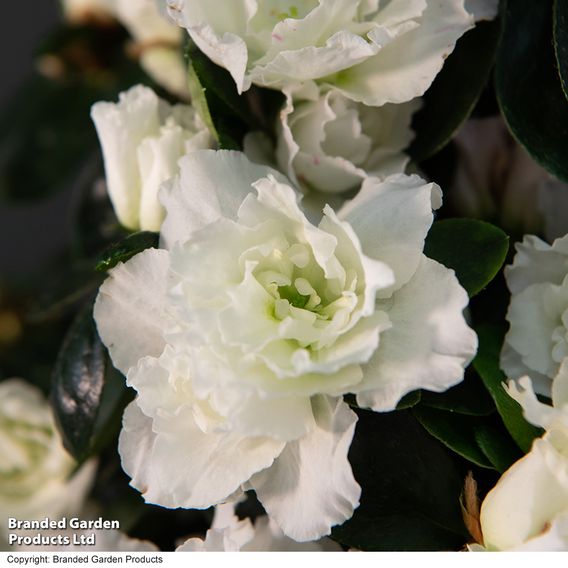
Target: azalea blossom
x=371 y=52
x=228 y=533
x=538 y=521
x=37 y=475
x=142 y=138
x=332 y=144
x=537 y=341
x=528 y=508
x=242 y=333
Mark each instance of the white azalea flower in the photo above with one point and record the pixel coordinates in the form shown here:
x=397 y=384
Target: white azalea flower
x=497 y=179
x=332 y=144
x=142 y=139
x=243 y=332
x=539 y=520
x=528 y=508
x=537 y=341
x=36 y=473
x=230 y=534
x=372 y=52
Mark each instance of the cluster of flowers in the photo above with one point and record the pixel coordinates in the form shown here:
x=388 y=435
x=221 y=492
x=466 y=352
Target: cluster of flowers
x=265 y=304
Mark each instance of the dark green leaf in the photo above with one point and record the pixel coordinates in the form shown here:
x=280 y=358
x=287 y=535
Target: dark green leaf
x=561 y=41
x=497 y=445
x=474 y=249
x=88 y=394
x=78 y=384
x=456 y=431
x=528 y=86
x=452 y=97
x=486 y=364
x=126 y=249
x=411 y=488
x=213 y=91
x=468 y=397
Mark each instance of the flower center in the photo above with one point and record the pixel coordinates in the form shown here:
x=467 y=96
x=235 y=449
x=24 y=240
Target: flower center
x=293 y=295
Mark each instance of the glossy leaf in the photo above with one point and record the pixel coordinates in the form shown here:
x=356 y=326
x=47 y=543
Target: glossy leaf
x=126 y=249
x=475 y=249
x=498 y=446
x=411 y=488
x=486 y=364
x=455 y=91
x=78 y=384
x=528 y=85
x=454 y=431
x=88 y=394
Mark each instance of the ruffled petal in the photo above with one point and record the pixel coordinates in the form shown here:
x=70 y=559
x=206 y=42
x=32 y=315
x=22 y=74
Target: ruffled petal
x=386 y=234
x=404 y=68
x=211 y=185
x=131 y=310
x=429 y=344
x=537 y=262
x=175 y=464
x=310 y=488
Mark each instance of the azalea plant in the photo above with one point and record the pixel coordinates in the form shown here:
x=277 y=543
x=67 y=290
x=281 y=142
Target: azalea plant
x=316 y=296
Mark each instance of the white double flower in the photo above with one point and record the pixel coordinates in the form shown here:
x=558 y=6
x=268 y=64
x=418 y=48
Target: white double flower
x=537 y=341
x=528 y=508
x=243 y=332
x=332 y=144
x=372 y=52
x=37 y=477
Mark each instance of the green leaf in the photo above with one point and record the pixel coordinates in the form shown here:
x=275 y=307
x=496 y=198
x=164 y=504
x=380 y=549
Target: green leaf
x=455 y=91
x=88 y=395
x=411 y=488
x=126 y=249
x=561 y=41
x=468 y=397
x=498 y=446
x=214 y=94
x=486 y=364
x=456 y=431
x=474 y=249
x=528 y=87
